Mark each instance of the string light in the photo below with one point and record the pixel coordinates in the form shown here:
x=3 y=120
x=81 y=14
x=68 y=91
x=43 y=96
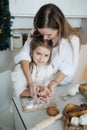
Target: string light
x=0 y=31
x=5 y=18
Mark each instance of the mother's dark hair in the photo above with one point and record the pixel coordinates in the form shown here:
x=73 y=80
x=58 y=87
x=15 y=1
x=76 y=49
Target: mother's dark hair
x=50 y=16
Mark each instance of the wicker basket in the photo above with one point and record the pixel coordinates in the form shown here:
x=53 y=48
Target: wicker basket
x=69 y=126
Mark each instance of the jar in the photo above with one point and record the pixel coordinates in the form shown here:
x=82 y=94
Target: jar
x=17 y=40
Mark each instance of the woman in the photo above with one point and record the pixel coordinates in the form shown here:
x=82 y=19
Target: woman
x=50 y=22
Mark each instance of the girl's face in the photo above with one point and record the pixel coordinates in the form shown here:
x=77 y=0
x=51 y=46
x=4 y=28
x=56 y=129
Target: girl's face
x=40 y=55
x=49 y=33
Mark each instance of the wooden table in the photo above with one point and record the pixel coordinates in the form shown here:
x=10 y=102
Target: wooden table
x=27 y=120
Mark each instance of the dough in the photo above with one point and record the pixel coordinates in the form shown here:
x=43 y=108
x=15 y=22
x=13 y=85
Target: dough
x=52 y=111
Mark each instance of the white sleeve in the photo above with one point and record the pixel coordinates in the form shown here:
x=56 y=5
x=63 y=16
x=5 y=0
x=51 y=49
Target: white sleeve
x=70 y=62
x=50 y=71
x=49 y=75
x=19 y=81
x=24 y=54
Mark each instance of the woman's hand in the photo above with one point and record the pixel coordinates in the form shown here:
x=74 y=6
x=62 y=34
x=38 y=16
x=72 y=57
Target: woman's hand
x=32 y=89
x=52 y=86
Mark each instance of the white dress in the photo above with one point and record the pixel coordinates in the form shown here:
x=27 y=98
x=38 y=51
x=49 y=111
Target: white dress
x=40 y=75
x=62 y=59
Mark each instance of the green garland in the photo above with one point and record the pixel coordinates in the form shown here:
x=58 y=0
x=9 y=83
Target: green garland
x=5 y=25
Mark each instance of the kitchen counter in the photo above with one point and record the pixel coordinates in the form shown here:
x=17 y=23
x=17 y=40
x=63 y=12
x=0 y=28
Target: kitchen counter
x=27 y=120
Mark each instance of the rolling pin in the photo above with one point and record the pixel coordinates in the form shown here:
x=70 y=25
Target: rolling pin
x=46 y=122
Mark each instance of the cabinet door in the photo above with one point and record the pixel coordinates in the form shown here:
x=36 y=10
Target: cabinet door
x=19 y=124
x=27 y=8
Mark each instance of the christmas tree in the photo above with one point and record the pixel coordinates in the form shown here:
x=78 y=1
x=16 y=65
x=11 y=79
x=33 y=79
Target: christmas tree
x=5 y=24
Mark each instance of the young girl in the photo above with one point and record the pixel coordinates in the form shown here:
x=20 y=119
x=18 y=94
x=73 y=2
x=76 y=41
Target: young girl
x=41 y=71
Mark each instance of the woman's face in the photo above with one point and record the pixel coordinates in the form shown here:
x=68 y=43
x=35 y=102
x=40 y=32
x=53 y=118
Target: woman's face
x=49 y=33
x=40 y=55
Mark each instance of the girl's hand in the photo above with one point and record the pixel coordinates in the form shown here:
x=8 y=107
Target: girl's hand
x=43 y=94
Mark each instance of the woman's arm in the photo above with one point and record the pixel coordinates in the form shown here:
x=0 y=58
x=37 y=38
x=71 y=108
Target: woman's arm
x=26 y=70
x=60 y=76
x=23 y=57
x=27 y=73
x=68 y=65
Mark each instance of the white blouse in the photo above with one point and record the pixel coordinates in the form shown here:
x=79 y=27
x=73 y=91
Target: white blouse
x=64 y=57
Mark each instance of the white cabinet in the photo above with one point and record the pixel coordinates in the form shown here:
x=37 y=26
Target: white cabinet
x=19 y=125
x=29 y=8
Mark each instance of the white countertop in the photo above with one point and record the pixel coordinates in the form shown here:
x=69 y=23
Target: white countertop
x=30 y=119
